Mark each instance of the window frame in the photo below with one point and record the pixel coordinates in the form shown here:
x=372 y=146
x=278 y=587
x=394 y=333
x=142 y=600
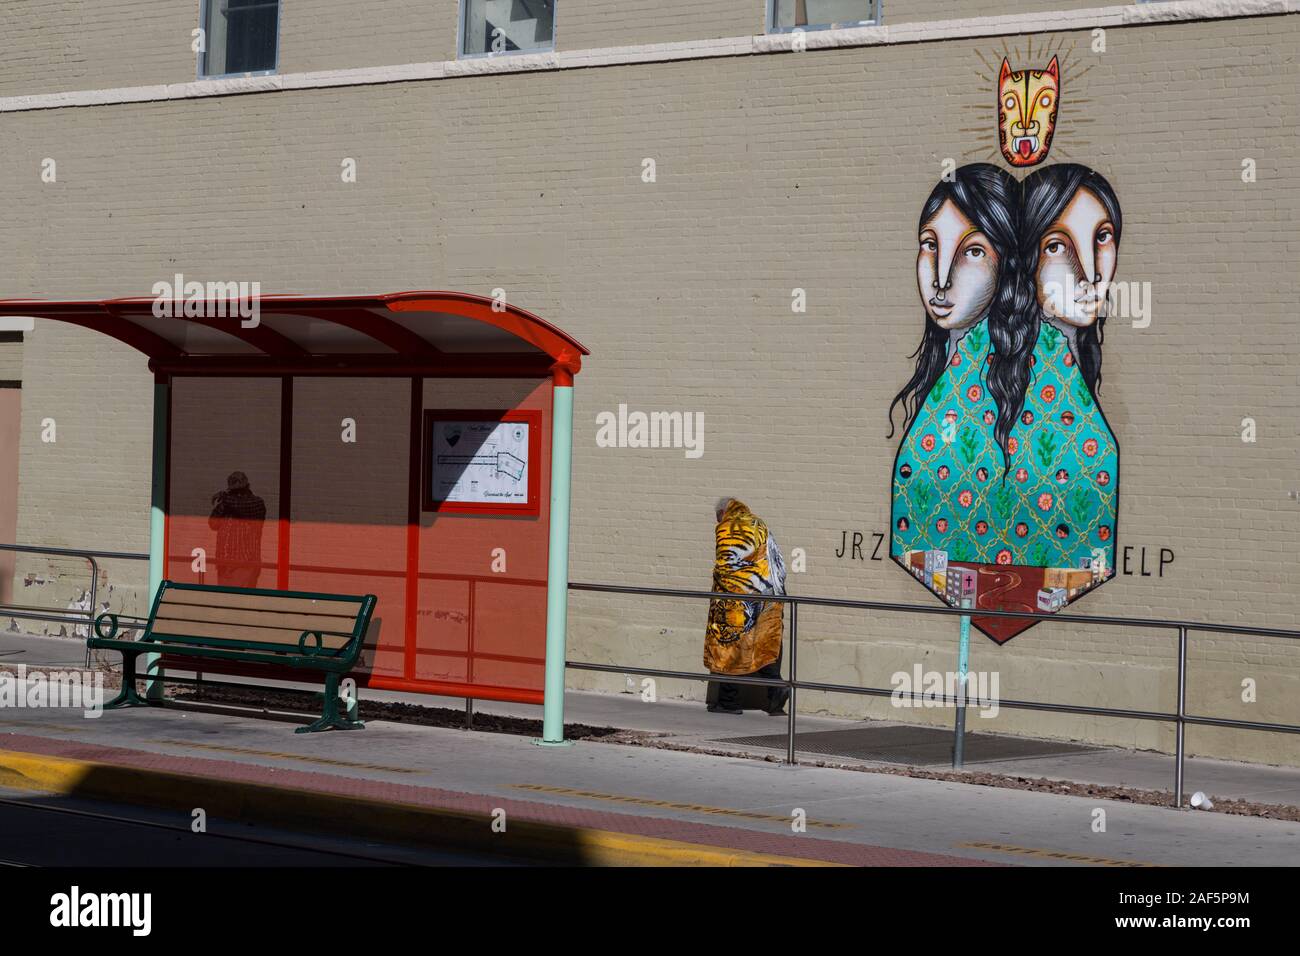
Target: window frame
x=462 y=31
x=202 y=58
x=772 y=28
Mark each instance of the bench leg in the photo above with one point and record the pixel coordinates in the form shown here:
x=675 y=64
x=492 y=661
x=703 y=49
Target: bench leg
x=331 y=719
x=127 y=697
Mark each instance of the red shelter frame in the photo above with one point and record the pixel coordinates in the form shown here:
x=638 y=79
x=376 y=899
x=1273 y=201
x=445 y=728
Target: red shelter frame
x=409 y=335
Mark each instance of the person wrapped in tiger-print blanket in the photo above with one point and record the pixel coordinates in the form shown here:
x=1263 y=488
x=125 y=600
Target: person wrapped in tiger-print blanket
x=744 y=636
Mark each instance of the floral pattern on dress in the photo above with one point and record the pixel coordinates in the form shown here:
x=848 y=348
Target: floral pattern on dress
x=1056 y=503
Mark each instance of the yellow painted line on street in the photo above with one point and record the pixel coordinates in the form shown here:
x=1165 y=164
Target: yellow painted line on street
x=19 y=724
x=366 y=818
x=670 y=805
x=1046 y=854
x=278 y=755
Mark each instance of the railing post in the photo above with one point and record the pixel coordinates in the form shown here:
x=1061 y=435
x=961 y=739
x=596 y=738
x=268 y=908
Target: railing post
x=794 y=663
x=963 y=661
x=1181 y=730
x=94 y=587
x=62 y=616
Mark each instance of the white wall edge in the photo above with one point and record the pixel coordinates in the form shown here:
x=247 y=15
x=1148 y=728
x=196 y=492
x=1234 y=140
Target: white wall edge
x=1142 y=14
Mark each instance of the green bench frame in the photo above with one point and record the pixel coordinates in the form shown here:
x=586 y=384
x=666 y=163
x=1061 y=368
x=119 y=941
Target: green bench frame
x=309 y=653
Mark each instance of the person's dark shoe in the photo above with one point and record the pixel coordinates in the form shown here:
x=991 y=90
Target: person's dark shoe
x=715 y=709
x=777 y=708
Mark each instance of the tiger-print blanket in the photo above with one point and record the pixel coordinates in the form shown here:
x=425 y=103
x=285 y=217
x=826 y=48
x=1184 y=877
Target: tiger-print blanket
x=744 y=635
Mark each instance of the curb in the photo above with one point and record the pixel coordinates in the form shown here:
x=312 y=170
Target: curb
x=365 y=818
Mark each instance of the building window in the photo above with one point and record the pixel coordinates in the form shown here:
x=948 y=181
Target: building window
x=240 y=37
x=787 y=15
x=489 y=27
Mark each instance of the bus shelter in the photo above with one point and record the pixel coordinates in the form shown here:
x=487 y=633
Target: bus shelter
x=415 y=446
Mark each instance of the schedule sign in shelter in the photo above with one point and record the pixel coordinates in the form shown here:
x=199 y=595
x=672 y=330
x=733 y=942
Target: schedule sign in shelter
x=482 y=462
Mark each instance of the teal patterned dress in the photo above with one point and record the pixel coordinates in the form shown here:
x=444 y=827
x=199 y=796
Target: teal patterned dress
x=1058 y=504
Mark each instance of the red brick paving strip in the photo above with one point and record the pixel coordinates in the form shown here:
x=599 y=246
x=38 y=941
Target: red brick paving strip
x=734 y=838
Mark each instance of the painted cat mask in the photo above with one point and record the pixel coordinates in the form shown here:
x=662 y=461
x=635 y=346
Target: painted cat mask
x=1027 y=105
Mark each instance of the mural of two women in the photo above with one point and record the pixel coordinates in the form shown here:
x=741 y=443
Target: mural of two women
x=1006 y=482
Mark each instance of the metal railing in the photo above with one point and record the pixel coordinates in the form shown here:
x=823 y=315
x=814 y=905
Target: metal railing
x=1181 y=718
x=73 y=616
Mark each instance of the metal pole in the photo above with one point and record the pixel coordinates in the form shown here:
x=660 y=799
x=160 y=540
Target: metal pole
x=557 y=572
x=794 y=663
x=963 y=660
x=94 y=586
x=89 y=558
x=1181 y=730
x=75 y=552
x=469 y=713
x=157 y=520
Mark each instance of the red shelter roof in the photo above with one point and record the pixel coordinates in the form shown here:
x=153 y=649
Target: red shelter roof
x=400 y=333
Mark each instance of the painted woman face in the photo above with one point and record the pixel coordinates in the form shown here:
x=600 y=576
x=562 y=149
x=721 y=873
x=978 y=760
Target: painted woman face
x=956 y=269
x=1076 y=262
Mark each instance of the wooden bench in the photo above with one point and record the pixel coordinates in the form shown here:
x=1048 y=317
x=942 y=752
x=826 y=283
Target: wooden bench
x=315 y=632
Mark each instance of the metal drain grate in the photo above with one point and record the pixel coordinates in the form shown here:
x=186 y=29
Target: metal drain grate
x=913 y=746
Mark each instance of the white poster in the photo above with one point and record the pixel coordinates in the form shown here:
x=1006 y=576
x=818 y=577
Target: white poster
x=480 y=462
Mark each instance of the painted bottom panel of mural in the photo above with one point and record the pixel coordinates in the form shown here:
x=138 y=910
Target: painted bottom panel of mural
x=1031 y=534
x=1000 y=587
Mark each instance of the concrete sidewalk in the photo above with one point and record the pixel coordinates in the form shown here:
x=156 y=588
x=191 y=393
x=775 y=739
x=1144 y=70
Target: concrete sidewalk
x=596 y=802
x=688 y=724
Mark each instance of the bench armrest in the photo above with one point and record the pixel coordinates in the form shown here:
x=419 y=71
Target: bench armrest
x=311 y=650
x=112 y=623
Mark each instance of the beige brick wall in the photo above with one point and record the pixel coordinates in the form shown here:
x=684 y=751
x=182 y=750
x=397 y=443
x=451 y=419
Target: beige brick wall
x=774 y=172
x=340 y=34
x=89 y=487
x=924 y=11
x=11 y=400
x=11 y=360
x=51 y=46
x=55 y=45
x=588 y=24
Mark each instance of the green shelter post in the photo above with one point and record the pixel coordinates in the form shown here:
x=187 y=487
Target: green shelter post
x=158 y=518
x=557 y=573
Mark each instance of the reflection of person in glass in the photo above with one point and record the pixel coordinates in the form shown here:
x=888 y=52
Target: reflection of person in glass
x=237 y=517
